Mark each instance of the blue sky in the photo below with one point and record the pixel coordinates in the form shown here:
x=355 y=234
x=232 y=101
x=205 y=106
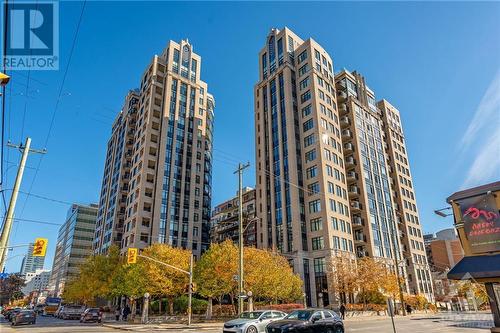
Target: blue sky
x=438 y=63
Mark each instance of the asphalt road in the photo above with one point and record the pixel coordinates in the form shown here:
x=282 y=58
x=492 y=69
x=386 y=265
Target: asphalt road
x=444 y=323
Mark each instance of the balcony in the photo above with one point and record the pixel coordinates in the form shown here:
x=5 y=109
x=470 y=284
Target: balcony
x=346 y=134
x=348 y=147
x=357 y=221
x=360 y=238
x=355 y=205
x=353 y=191
x=350 y=162
x=343 y=109
x=351 y=176
x=344 y=121
x=362 y=253
x=341 y=95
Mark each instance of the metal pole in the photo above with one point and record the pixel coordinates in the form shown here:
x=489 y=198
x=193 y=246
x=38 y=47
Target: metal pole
x=12 y=204
x=190 y=295
x=241 y=167
x=396 y=262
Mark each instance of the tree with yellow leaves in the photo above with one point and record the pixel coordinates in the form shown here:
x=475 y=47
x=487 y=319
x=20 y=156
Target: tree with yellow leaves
x=371 y=275
x=269 y=276
x=342 y=275
x=162 y=280
x=214 y=272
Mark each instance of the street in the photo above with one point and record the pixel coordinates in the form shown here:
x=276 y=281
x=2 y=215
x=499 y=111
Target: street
x=443 y=323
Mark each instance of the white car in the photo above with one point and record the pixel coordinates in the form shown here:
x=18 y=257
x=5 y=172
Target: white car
x=253 y=322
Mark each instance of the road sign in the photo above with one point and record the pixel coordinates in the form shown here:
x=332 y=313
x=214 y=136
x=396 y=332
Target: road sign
x=40 y=247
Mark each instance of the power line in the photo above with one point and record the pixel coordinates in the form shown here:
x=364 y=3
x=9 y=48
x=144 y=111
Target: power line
x=34 y=221
x=61 y=87
x=6 y=24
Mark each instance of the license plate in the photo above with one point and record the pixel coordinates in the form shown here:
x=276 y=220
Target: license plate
x=26 y=316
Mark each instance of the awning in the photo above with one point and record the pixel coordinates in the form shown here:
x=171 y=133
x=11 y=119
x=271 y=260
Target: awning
x=476 y=267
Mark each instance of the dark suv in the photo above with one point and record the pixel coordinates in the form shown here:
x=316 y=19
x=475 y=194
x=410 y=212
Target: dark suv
x=308 y=321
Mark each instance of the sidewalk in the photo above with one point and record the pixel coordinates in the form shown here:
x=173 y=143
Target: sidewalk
x=139 y=327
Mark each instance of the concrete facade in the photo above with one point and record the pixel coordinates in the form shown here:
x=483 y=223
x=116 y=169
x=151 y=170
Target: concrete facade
x=224 y=219
x=167 y=163
x=74 y=244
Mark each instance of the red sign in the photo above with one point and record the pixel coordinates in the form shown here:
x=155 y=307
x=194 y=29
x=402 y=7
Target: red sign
x=481 y=223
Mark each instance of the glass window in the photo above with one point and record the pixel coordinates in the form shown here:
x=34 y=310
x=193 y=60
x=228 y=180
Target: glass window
x=305 y=96
x=309 y=124
x=302 y=56
x=316 y=224
x=318 y=243
x=306 y=111
x=314 y=206
x=311 y=172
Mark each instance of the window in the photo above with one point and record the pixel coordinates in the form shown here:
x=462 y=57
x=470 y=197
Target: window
x=302 y=56
x=311 y=172
x=313 y=188
x=304 y=83
x=336 y=243
x=311 y=155
x=319 y=266
x=306 y=111
x=318 y=243
x=314 y=206
x=317 y=55
x=304 y=69
x=305 y=96
x=309 y=140
x=309 y=124
x=316 y=224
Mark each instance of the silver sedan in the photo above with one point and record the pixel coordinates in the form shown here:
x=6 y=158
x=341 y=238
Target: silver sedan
x=252 y=322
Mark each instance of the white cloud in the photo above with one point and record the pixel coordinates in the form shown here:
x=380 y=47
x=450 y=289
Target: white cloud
x=488 y=111
x=486 y=165
x=484 y=133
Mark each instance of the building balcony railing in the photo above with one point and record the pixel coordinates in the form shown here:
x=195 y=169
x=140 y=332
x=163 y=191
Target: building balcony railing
x=350 y=161
x=341 y=95
x=353 y=191
x=344 y=121
x=360 y=238
x=351 y=176
x=346 y=134
x=357 y=221
x=343 y=109
x=348 y=147
x=355 y=205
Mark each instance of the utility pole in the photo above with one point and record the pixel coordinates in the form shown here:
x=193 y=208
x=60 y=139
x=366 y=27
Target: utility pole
x=239 y=171
x=396 y=263
x=190 y=290
x=7 y=225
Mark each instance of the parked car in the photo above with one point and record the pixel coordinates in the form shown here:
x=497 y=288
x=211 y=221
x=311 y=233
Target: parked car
x=308 y=321
x=24 y=317
x=252 y=322
x=58 y=311
x=11 y=313
x=91 y=315
x=71 y=312
x=38 y=309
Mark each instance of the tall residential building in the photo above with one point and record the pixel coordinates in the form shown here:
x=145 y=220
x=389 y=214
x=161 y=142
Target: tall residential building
x=405 y=203
x=383 y=204
x=301 y=187
x=74 y=244
x=224 y=221
x=30 y=263
x=158 y=171
x=115 y=182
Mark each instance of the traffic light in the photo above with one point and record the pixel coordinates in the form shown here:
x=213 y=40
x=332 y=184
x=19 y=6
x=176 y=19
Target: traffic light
x=4 y=79
x=132 y=255
x=40 y=247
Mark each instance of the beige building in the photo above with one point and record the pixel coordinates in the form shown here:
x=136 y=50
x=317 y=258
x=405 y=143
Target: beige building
x=301 y=187
x=326 y=169
x=166 y=159
x=225 y=224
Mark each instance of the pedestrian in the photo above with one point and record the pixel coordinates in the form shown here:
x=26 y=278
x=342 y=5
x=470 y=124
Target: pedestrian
x=342 y=311
x=118 y=312
x=126 y=312
x=408 y=309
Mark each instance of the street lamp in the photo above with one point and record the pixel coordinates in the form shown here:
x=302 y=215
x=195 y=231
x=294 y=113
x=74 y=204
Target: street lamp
x=441 y=213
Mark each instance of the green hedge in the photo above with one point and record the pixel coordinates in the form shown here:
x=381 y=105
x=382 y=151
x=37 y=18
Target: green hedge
x=199 y=306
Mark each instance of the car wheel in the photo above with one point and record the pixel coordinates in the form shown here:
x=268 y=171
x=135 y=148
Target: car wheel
x=338 y=329
x=252 y=329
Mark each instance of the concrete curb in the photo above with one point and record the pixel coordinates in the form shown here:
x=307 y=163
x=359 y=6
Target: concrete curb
x=133 y=327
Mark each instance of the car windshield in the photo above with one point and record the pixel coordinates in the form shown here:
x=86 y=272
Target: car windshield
x=299 y=315
x=251 y=315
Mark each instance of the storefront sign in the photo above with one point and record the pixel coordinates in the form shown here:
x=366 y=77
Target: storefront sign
x=481 y=223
